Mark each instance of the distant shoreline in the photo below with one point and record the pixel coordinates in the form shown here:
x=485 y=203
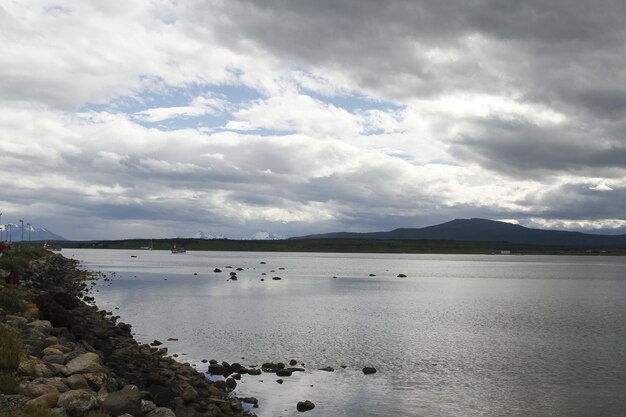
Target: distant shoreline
x=347 y=246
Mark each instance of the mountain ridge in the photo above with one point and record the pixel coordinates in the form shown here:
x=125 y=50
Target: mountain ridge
x=483 y=230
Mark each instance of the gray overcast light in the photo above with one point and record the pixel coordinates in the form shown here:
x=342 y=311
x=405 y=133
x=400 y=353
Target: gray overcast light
x=161 y=118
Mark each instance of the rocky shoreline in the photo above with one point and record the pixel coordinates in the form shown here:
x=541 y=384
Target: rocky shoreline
x=76 y=358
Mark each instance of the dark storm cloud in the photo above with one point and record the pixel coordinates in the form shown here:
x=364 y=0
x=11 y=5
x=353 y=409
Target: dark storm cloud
x=567 y=55
x=579 y=202
x=522 y=149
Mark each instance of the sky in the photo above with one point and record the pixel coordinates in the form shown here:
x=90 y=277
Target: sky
x=163 y=118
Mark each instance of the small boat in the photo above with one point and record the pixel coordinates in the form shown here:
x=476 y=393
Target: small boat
x=178 y=250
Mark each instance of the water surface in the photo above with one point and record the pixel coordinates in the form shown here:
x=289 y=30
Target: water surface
x=461 y=335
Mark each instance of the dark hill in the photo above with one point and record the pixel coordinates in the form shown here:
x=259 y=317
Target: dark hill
x=482 y=230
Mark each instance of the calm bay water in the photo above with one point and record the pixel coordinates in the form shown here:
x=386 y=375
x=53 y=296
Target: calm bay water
x=461 y=335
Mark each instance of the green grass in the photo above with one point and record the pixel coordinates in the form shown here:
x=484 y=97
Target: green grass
x=8 y=383
x=12 y=300
x=30 y=412
x=10 y=348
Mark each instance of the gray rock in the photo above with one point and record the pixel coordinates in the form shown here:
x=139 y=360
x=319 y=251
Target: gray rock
x=41 y=386
x=126 y=400
x=77 y=381
x=85 y=363
x=147 y=406
x=78 y=400
x=31 y=366
x=52 y=351
x=161 y=412
x=48 y=400
x=55 y=359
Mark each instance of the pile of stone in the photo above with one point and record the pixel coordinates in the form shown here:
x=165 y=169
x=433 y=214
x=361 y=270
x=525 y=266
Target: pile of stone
x=77 y=358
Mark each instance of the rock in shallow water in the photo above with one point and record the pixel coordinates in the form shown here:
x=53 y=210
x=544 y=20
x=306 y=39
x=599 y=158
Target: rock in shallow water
x=305 y=406
x=369 y=370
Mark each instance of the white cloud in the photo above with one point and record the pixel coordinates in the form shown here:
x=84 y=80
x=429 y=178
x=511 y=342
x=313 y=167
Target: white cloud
x=489 y=112
x=601 y=187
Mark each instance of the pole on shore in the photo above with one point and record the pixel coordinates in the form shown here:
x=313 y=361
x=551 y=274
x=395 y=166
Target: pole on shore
x=22 y=239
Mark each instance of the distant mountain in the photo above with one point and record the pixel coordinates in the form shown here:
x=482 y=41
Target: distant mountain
x=204 y=235
x=36 y=233
x=265 y=236
x=482 y=230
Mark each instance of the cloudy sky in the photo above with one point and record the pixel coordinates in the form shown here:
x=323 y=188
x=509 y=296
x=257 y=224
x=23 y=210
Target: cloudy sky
x=160 y=118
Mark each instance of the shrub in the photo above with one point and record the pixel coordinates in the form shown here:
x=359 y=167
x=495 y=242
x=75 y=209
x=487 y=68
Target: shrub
x=12 y=300
x=10 y=348
x=8 y=383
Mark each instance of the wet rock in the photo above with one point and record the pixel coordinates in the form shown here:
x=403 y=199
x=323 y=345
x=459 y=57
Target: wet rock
x=328 y=369
x=369 y=370
x=172 y=339
x=280 y=381
x=401 y=276
x=293 y=362
x=78 y=400
x=254 y=371
x=126 y=400
x=276 y=278
x=284 y=372
x=231 y=384
x=305 y=406
x=372 y=275
x=344 y=366
x=239 y=269
x=156 y=343
x=217 y=270
x=249 y=400
x=262 y=262
x=217 y=369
